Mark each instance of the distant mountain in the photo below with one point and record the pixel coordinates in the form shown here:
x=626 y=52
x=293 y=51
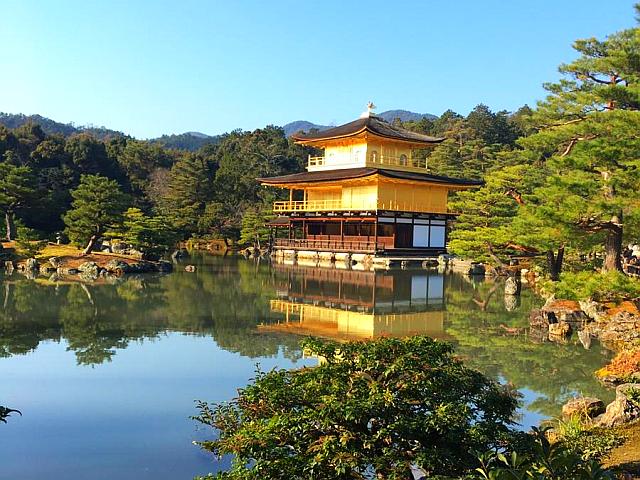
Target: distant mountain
x=389 y=116
x=51 y=127
x=191 y=141
x=405 y=116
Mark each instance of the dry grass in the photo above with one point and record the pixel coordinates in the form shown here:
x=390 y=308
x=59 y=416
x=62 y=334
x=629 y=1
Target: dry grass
x=626 y=457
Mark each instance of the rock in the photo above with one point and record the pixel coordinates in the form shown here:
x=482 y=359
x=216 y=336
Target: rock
x=117 y=267
x=118 y=247
x=593 y=310
x=55 y=262
x=624 y=409
x=589 y=407
x=564 y=311
x=477 y=269
x=47 y=268
x=511 y=302
x=585 y=339
x=89 y=268
x=512 y=286
x=190 y=268
x=9 y=266
x=560 y=329
x=31 y=264
x=537 y=319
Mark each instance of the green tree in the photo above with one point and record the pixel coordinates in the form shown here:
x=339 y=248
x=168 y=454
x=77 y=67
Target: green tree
x=587 y=137
x=254 y=231
x=190 y=188
x=369 y=409
x=150 y=235
x=97 y=207
x=16 y=189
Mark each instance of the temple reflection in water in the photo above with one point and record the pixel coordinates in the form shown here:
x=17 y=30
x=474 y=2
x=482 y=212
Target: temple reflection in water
x=352 y=304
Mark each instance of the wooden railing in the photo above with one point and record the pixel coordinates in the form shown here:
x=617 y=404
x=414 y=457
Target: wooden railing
x=331 y=205
x=330 y=245
x=404 y=162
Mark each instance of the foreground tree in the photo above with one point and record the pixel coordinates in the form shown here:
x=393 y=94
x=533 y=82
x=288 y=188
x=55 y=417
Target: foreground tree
x=370 y=409
x=97 y=207
x=16 y=187
x=587 y=136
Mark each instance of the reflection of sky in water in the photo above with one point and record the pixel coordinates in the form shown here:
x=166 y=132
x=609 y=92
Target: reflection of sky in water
x=129 y=417
x=124 y=419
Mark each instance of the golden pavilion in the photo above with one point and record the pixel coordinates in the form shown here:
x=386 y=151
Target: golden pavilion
x=351 y=304
x=367 y=193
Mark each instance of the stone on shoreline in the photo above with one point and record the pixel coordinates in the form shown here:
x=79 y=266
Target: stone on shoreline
x=560 y=329
x=624 y=409
x=589 y=407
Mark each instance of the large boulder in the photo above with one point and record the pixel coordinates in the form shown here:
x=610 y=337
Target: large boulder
x=624 y=409
x=564 y=311
x=117 y=267
x=512 y=286
x=560 y=329
x=31 y=264
x=55 y=262
x=585 y=407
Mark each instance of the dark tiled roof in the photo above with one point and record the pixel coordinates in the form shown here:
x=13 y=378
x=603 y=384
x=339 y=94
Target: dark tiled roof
x=350 y=173
x=371 y=124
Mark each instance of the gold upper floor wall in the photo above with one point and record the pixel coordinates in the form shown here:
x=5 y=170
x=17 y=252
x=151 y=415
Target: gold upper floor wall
x=368 y=151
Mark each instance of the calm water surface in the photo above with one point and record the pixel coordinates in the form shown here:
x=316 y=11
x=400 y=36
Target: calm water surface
x=106 y=374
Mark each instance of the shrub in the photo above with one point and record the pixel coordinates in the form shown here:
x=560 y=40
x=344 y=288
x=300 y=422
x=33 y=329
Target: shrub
x=369 y=409
x=623 y=365
x=602 y=287
x=29 y=242
x=546 y=460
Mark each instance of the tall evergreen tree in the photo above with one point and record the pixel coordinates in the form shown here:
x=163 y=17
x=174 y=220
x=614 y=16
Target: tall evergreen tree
x=587 y=136
x=98 y=204
x=16 y=188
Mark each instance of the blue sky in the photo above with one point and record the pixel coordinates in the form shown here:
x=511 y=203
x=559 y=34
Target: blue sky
x=153 y=67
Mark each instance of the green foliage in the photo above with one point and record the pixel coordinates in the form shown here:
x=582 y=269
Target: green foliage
x=545 y=460
x=6 y=412
x=16 y=190
x=29 y=242
x=369 y=408
x=253 y=231
x=151 y=235
x=603 y=287
x=97 y=206
x=585 y=440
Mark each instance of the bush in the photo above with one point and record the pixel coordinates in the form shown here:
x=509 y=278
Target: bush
x=369 y=409
x=611 y=286
x=623 y=365
x=29 y=242
x=590 y=443
x=546 y=460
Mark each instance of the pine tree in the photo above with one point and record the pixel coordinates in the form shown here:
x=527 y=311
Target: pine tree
x=16 y=189
x=587 y=137
x=97 y=207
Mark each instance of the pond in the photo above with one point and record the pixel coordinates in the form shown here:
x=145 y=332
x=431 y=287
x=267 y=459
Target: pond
x=106 y=374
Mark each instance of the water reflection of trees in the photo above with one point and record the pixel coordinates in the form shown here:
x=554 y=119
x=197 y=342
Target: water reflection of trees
x=497 y=342
x=98 y=319
x=227 y=299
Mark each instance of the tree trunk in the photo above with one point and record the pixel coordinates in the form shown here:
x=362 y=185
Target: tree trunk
x=11 y=226
x=554 y=263
x=91 y=245
x=613 y=250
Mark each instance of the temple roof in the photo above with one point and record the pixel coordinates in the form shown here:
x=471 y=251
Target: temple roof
x=351 y=173
x=372 y=124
